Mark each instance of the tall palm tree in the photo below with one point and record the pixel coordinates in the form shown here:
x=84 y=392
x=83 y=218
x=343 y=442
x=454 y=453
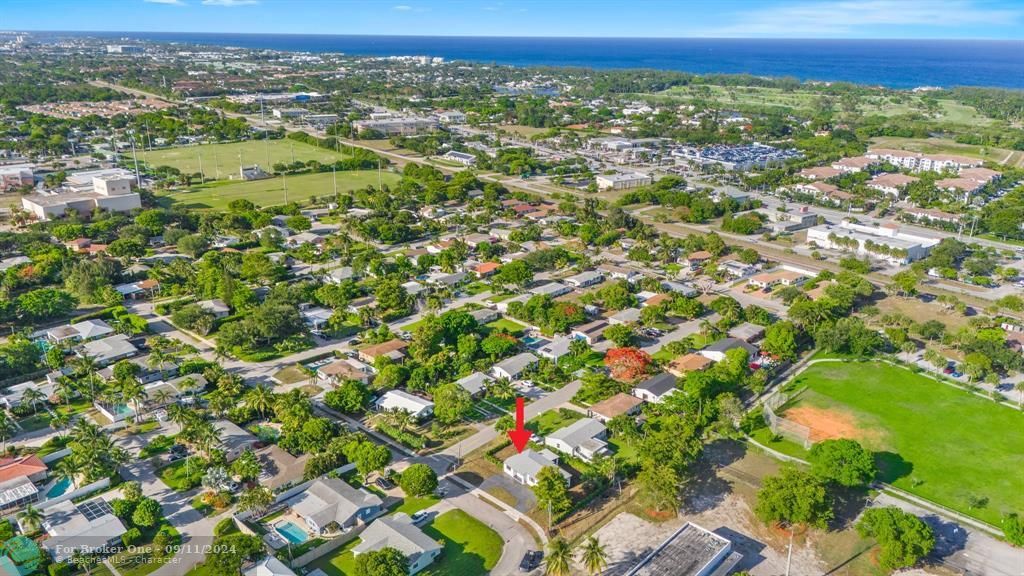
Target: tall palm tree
x=159 y=357
x=31 y=518
x=558 y=559
x=60 y=421
x=179 y=415
x=66 y=469
x=33 y=396
x=501 y=389
x=1019 y=387
x=161 y=397
x=6 y=429
x=594 y=556
x=260 y=399
x=131 y=392
x=87 y=366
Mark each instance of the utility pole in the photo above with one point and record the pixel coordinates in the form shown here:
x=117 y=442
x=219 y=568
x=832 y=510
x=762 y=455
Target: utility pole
x=789 y=555
x=334 y=176
x=380 y=181
x=202 y=177
x=266 y=137
x=284 y=176
x=138 y=179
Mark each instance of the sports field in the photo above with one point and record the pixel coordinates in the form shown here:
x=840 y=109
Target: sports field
x=222 y=160
x=939 y=442
x=270 y=192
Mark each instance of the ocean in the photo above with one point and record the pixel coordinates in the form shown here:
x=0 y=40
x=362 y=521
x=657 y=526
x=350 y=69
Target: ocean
x=891 y=63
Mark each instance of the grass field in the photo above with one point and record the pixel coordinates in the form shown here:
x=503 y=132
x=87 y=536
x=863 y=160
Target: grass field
x=946 y=146
x=270 y=192
x=221 y=160
x=805 y=101
x=941 y=443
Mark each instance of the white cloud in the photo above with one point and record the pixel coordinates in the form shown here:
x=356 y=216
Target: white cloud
x=402 y=8
x=230 y=3
x=848 y=17
x=167 y=2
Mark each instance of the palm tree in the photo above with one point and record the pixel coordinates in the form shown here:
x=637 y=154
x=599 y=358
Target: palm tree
x=133 y=393
x=159 y=358
x=1019 y=387
x=65 y=389
x=33 y=396
x=65 y=468
x=179 y=415
x=558 y=559
x=501 y=389
x=578 y=347
x=260 y=399
x=60 y=421
x=162 y=396
x=594 y=556
x=31 y=518
x=88 y=366
x=6 y=429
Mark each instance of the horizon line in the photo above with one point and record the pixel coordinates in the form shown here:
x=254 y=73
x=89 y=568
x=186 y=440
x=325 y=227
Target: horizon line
x=569 y=37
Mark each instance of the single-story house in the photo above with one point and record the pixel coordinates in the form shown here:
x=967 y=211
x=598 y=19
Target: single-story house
x=217 y=307
x=748 y=332
x=697 y=259
x=486 y=269
x=268 y=566
x=627 y=316
x=656 y=388
x=397 y=531
x=584 y=279
x=552 y=289
x=717 y=350
x=87 y=527
x=330 y=501
x=484 y=315
x=584 y=439
x=339 y=275
x=279 y=469
x=419 y=408
x=476 y=383
x=316 y=317
x=345 y=369
x=233 y=439
x=680 y=288
x=620 y=272
x=525 y=466
x=393 y=349
x=784 y=277
x=108 y=350
x=140 y=289
x=79 y=331
x=513 y=367
x=28 y=466
x=688 y=363
x=504 y=304
x=354 y=306
x=617 y=405
x=591 y=333
x=555 y=349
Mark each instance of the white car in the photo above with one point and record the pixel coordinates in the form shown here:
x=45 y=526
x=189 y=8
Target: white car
x=420 y=516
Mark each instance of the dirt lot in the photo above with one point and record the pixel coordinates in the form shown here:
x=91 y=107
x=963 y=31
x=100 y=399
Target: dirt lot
x=922 y=311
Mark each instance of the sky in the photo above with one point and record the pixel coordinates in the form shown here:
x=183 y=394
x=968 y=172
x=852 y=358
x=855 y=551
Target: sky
x=945 y=19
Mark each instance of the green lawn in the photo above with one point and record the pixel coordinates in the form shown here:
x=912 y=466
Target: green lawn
x=270 y=192
x=180 y=477
x=470 y=547
x=223 y=158
x=553 y=420
x=413 y=504
x=510 y=326
x=934 y=440
x=340 y=563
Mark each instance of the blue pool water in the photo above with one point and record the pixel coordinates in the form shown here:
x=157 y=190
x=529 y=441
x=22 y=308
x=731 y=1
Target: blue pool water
x=59 y=488
x=534 y=342
x=292 y=532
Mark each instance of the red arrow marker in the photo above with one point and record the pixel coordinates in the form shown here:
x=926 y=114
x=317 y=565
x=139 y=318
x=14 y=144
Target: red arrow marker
x=520 y=436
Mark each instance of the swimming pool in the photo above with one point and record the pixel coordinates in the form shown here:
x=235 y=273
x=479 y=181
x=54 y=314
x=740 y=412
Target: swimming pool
x=533 y=342
x=59 y=488
x=292 y=532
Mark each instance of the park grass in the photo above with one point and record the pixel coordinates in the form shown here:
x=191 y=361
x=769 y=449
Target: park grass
x=933 y=440
x=759 y=97
x=470 y=547
x=223 y=158
x=270 y=191
x=341 y=563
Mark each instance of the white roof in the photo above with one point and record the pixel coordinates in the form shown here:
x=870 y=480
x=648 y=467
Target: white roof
x=269 y=566
x=404 y=401
x=475 y=382
x=92 y=329
x=395 y=531
x=530 y=462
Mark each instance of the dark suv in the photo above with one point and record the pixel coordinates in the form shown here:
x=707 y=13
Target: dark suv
x=531 y=561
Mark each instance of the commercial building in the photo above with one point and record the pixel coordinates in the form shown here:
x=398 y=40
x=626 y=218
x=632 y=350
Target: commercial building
x=452 y=117
x=284 y=113
x=403 y=126
x=15 y=177
x=885 y=242
x=460 y=157
x=689 y=551
x=622 y=180
x=790 y=221
x=124 y=49
x=84 y=192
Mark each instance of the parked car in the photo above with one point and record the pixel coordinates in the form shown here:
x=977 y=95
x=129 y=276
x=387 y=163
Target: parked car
x=956 y=374
x=384 y=483
x=531 y=561
x=230 y=486
x=419 y=516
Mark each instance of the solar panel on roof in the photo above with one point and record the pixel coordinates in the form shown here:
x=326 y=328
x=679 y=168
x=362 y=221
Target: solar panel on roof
x=94 y=509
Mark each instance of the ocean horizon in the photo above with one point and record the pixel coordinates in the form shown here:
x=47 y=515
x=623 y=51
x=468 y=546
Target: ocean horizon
x=891 y=63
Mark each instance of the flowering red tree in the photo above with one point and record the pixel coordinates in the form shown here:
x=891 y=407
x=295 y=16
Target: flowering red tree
x=627 y=364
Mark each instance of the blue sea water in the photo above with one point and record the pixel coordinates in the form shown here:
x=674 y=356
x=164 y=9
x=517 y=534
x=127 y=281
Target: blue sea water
x=892 y=63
